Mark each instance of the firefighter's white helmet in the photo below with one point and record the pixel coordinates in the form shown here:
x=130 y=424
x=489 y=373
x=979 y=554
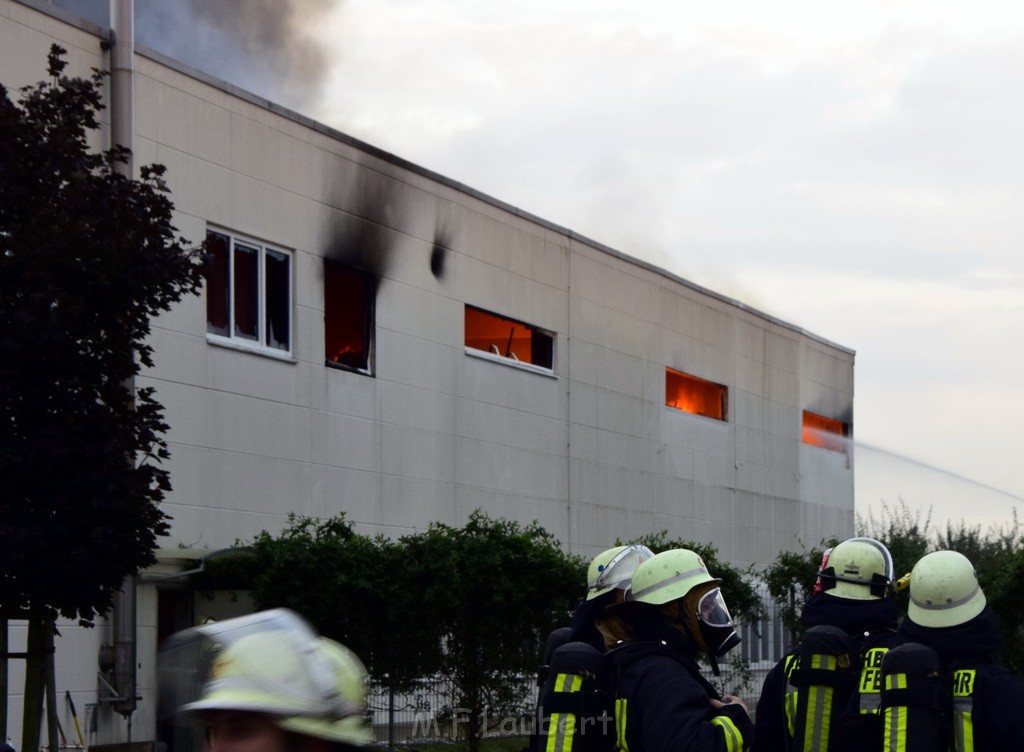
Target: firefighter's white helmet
x=275 y=664
x=944 y=590
x=858 y=569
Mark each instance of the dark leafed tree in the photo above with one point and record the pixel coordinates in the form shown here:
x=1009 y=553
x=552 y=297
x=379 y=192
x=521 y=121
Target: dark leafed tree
x=495 y=589
x=472 y=604
x=350 y=586
x=87 y=258
x=790 y=579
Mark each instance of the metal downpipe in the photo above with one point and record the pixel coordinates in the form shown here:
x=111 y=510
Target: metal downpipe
x=122 y=133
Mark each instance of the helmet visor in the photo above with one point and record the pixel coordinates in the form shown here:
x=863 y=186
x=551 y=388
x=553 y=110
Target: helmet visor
x=618 y=572
x=711 y=609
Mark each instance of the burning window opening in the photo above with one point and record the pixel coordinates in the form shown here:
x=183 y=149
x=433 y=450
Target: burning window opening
x=507 y=338
x=693 y=395
x=248 y=292
x=349 y=296
x=827 y=433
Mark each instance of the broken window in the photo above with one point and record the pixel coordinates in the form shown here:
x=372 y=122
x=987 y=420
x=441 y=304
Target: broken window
x=507 y=338
x=348 y=316
x=248 y=292
x=693 y=395
x=824 y=432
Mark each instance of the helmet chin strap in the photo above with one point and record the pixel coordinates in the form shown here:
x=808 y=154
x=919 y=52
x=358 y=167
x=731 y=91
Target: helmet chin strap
x=714 y=664
x=878 y=585
x=684 y=618
x=681 y=620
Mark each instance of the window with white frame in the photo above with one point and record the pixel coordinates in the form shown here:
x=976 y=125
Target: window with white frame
x=508 y=339
x=248 y=292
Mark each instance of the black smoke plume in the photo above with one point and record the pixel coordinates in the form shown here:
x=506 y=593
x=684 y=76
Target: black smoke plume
x=262 y=46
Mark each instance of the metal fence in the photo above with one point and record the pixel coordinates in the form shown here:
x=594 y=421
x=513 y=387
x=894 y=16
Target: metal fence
x=429 y=715
x=764 y=644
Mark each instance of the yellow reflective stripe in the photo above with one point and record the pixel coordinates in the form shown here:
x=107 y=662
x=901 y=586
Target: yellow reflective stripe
x=791 y=699
x=827 y=662
x=963 y=707
x=895 y=731
x=562 y=725
x=620 y=725
x=964 y=732
x=896 y=681
x=818 y=722
x=895 y=718
x=733 y=737
x=791 y=695
x=818 y=718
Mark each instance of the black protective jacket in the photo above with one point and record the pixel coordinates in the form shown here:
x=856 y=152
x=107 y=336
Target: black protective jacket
x=871 y=625
x=997 y=699
x=662 y=703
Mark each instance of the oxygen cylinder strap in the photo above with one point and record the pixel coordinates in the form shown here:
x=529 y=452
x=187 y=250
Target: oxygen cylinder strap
x=580 y=703
x=808 y=677
x=913 y=697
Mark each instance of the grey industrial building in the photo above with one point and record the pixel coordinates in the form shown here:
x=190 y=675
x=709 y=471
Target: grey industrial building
x=379 y=340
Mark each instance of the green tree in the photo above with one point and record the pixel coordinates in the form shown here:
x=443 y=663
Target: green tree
x=903 y=531
x=495 y=589
x=998 y=557
x=790 y=580
x=87 y=258
x=351 y=587
x=473 y=604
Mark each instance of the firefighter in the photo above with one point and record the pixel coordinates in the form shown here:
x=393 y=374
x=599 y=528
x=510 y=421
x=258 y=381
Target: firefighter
x=948 y=613
x=267 y=683
x=824 y=695
x=662 y=702
x=608 y=578
x=572 y=709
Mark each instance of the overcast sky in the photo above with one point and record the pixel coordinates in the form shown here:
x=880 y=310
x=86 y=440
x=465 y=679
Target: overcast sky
x=855 y=168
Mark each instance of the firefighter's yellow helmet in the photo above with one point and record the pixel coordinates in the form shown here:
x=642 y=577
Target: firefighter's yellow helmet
x=613 y=569
x=670 y=575
x=279 y=667
x=944 y=590
x=858 y=569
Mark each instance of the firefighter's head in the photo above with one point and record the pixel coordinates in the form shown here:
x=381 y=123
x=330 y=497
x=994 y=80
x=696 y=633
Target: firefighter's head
x=613 y=569
x=857 y=569
x=944 y=590
x=278 y=682
x=681 y=590
x=608 y=579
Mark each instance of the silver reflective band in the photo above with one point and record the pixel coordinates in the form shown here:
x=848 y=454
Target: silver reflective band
x=249 y=688
x=943 y=606
x=637 y=594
